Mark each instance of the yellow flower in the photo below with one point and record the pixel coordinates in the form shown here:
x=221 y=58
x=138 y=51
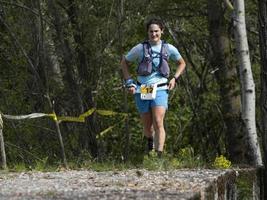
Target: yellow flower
x=221 y=162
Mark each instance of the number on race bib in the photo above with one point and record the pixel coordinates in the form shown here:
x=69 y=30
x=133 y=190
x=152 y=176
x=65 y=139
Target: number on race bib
x=148 y=92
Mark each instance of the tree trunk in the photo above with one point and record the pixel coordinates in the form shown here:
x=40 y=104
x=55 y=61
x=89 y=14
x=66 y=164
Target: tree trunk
x=87 y=137
x=125 y=101
x=263 y=99
x=64 y=51
x=2 y=145
x=226 y=75
x=247 y=82
x=42 y=54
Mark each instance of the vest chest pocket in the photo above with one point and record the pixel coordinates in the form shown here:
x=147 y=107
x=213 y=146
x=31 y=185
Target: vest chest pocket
x=148 y=92
x=145 y=68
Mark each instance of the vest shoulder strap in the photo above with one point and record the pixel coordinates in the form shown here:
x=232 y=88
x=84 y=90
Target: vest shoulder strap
x=147 y=48
x=163 y=50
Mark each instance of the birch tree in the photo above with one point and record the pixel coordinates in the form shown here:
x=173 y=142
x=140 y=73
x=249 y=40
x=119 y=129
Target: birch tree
x=222 y=59
x=247 y=82
x=263 y=101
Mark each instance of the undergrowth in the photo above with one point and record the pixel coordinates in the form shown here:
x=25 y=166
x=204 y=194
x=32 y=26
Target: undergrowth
x=185 y=158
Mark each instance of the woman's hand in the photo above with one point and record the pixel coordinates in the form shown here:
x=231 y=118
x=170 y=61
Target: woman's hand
x=130 y=85
x=172 y=83
x=131 y=90
x=179 y=71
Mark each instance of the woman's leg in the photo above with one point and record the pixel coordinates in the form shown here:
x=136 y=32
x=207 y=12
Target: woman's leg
x=158 y=113
x=147 y=121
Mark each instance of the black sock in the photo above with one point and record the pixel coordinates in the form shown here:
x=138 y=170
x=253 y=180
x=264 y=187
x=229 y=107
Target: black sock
x=150 y=143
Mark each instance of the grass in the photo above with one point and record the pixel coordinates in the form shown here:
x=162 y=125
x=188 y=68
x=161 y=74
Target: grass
x=185 y=158
x=151 y=162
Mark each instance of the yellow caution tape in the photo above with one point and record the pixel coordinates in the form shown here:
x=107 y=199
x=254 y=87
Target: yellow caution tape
x=109 y=113
x=87 y=113
x=102 y=133
x=53 y=116
x=71 y=119
x=67 y=118
x=80 y=118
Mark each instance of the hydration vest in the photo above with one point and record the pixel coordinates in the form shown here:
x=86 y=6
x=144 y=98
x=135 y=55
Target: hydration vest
x=146 y=67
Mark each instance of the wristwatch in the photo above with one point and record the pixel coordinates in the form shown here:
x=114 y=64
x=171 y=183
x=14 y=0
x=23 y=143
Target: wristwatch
x=176 y=79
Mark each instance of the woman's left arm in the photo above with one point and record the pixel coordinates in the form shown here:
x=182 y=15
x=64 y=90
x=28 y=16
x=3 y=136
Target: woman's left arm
x=180 y=68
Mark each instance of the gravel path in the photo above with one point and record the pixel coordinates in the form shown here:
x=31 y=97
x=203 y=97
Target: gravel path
x=129 y=184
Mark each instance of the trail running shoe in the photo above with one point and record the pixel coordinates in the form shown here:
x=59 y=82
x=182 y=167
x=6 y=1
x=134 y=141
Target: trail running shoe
x=159 y=153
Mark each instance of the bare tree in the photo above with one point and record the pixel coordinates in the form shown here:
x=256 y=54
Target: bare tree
x=247 y=82
x=75 y=62
x=263 y=101
x=222 y=59
x=120 y=8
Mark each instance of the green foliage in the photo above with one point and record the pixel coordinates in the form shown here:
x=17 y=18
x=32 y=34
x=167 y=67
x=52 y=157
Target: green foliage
x=221 y=162
x=88 y=45
x=245 y=185
x=184 y=159
x=19 y=167
x=152 y=162
x=41 y=165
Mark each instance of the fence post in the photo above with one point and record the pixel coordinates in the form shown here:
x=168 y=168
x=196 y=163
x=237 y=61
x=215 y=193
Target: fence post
x=2 y=145
x=61 y=144
x=64 y=160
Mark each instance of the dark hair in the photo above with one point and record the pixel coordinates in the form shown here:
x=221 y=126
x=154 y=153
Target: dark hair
x=155 y=21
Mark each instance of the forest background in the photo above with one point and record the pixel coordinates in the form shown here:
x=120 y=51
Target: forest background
x=64 y=56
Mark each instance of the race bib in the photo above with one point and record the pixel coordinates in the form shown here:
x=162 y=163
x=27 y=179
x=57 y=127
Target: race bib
x=148 y=92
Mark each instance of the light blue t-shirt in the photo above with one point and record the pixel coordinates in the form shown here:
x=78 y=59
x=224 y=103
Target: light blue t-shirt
x=136 y=55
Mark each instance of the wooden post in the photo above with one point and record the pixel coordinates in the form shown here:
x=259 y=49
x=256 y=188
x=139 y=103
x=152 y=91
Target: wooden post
x=64 y=160
x=2 y=145
x=125 y=93
x=61 y=144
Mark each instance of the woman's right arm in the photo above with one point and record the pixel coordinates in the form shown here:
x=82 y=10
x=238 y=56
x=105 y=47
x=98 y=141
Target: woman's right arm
x=129 y=82
x=125 y=68
x=133 y=55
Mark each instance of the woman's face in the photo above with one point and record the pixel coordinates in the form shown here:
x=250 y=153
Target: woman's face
x=154 y=33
